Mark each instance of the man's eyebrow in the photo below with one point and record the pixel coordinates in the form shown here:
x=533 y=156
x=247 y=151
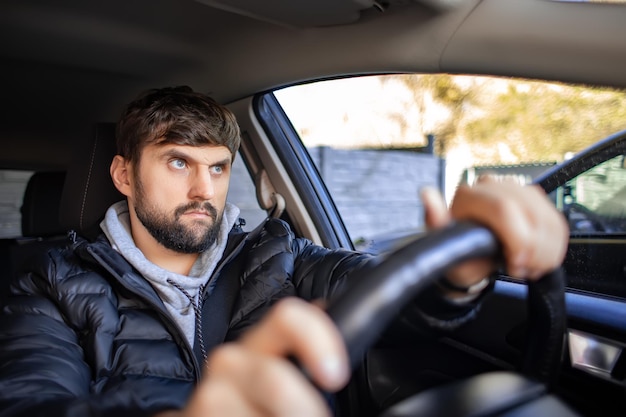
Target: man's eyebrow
x=176 y=153
x=225 y=161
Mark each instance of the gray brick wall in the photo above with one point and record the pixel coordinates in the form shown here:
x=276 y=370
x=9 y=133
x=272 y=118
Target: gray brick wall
x=377 y=191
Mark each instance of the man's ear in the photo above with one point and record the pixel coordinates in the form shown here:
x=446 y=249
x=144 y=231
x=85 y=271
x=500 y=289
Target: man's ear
x=121 y=175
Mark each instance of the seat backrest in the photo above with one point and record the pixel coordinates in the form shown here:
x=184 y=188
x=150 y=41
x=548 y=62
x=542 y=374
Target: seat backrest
x=41 y=228
x=89 y=190
x=56 y=202
x=40 y=205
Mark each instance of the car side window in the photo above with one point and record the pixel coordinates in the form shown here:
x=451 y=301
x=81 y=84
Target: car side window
x=595 y=201
x=12 y=186
x=378 y=140
x=242 y=194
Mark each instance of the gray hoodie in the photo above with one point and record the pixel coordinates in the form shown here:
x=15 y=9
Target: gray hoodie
x=116 y=226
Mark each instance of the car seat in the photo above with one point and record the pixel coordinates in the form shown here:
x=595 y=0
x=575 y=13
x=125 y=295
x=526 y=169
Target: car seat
x=88 y=190
x=41 y=228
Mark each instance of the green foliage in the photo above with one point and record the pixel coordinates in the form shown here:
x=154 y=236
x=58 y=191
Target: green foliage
x=543 y=122
x=534 y=121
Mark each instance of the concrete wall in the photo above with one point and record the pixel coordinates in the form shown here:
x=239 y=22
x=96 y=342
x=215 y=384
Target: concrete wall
x=377 y=191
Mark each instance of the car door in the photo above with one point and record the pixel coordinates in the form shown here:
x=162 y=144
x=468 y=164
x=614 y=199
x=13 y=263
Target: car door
x=324 y=203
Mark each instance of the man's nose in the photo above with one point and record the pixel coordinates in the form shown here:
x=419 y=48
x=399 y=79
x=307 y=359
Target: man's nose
x=202 y=186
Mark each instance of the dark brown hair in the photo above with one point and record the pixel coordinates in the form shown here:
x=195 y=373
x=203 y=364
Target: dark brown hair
x=175 y=115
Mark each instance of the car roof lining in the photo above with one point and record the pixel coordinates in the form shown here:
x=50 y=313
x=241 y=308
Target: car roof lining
x=318 y=13
x=554 y=42
x=80 y=62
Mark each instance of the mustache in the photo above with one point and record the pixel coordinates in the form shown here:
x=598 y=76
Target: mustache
x=197 y=206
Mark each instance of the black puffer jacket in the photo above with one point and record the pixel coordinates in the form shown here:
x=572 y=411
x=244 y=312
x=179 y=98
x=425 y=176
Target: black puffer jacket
x=85 y=335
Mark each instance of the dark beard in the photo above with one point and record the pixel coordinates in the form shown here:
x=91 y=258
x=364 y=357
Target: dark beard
x=171 y=233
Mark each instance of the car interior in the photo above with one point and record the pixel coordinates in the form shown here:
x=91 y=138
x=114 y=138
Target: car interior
x=557 y=349
x=40 y=224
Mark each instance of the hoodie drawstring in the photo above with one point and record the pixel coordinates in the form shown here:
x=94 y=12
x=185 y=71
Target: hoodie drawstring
x=196 y=304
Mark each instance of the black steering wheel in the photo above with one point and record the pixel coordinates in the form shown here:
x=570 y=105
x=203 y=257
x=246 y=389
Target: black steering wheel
x=364 y=310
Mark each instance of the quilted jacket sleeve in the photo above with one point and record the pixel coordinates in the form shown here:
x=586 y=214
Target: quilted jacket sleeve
x=321 y=273
x=42 y=366
x=40 y=359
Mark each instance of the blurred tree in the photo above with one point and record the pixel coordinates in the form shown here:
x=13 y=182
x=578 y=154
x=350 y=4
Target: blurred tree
x=543 y=122
x=509 y=120
x=440 y=100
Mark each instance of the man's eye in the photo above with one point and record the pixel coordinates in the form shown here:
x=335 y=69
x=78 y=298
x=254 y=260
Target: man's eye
x=217 y=169
x=178 y=163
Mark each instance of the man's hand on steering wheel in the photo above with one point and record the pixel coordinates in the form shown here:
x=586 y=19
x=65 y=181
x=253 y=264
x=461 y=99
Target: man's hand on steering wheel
x=253 y=377
x=533 y=234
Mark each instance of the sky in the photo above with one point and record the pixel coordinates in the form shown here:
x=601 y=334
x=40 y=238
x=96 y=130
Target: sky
x=362 y=111
x=351 y=113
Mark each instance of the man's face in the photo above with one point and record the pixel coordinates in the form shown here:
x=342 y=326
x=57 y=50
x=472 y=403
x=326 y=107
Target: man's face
x=180 y=194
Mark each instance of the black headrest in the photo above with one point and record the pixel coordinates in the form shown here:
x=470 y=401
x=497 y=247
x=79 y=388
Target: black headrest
x=89 y=190
x=40 y=206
